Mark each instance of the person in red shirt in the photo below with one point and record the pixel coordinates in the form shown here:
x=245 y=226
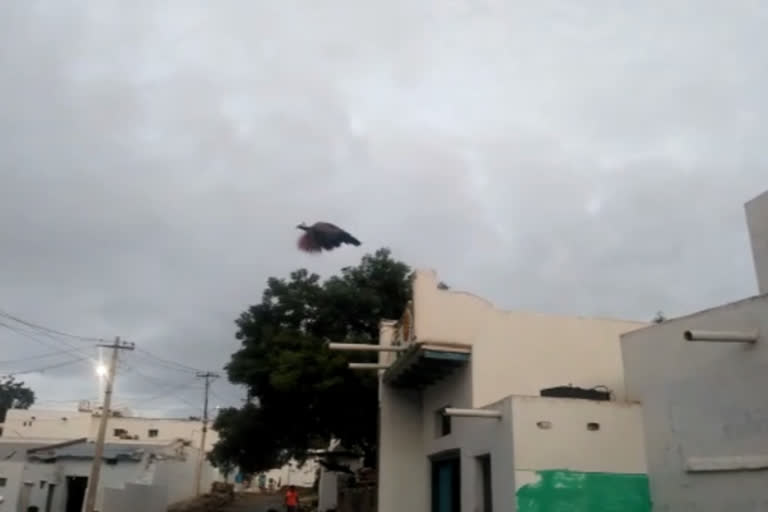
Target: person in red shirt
x=291 y=499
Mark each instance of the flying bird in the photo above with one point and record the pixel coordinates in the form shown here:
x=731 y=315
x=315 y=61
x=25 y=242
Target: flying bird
x=323 y=235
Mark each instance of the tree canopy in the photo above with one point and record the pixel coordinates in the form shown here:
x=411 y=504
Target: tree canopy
x=14 y=395
x=305 y=393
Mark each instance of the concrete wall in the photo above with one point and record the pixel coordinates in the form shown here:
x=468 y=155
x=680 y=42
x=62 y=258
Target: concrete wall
x=328 y=484
x=476 y=437
x=519 y=352
x=533 y=469
x=757 y=223
x=177 y=475
x=169 y=480
x=702 y=400
x=36 y=473
x=409 y=437
x=46 y=424
x=402 y=466
x=13 y=472
x=513 y=353
x=112 y=476
x=64 y=425
x=565 y=441
x=560 y=462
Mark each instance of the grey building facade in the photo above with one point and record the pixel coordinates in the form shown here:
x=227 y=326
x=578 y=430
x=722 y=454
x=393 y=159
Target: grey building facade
x=702 y=384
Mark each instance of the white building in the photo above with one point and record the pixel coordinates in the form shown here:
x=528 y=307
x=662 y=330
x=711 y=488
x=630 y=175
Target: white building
x=53 y=425
x=704 y=410
x=454 y=352
x=134 y=476
x=49 y=455
x=334 y=464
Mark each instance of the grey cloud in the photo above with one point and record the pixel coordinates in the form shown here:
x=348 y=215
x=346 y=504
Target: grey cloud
x=156 y=156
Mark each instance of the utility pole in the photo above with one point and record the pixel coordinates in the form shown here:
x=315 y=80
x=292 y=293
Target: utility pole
x=208 y=376
x=93 y=480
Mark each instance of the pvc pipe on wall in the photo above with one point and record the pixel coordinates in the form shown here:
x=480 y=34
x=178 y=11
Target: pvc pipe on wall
x=472 y=413
x=750 y=336
x=368 y=366
x=362 y=347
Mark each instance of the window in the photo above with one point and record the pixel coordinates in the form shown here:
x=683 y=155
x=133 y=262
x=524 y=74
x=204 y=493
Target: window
x=152 y=432
x=3 y=481
x=42 y=484
x=442 y=422
x=119 y=432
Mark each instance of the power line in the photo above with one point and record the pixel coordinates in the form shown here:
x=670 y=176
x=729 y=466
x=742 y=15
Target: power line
x=168 y=361
x=48 y=329
x=54 y=342
x=161 y=382
x=167 y=392
x=44 y=368
x=149 y=361
x=38 y=356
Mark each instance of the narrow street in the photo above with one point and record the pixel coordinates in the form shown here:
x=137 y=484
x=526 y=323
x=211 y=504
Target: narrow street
x=255 y=503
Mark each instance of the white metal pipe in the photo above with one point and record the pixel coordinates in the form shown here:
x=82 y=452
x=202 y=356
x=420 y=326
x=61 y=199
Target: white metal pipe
x=363 y=347
x=472 y=413
x=368 y=366
x=750 y=336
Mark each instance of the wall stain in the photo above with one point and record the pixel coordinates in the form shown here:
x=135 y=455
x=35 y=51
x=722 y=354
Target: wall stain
x=574 y=491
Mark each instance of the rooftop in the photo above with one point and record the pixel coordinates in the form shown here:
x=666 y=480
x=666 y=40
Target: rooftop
x=16 y=451
x=83 y=449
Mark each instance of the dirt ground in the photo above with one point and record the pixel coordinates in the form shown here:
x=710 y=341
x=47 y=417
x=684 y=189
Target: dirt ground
x=255 y=503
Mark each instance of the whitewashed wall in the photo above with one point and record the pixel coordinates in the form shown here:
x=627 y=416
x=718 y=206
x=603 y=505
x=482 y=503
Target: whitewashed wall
x=13 y=472
x=520 y=352
x=178 y=476
x=66 y=425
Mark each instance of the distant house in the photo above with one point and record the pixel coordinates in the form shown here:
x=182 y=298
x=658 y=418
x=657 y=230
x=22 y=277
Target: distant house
x=702 y=380
x=464 y=424
x=54 y=477
x=290 y=473
x=50 y=454
x=84 y=422
x=335 y=462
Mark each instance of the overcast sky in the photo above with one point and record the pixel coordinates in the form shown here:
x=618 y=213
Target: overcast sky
x=584 y=157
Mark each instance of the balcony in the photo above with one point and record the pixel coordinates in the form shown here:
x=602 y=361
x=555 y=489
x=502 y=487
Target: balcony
x=424 y=364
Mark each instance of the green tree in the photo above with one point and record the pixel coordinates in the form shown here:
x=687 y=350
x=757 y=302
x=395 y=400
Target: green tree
x=14 y=395
x=306 y=393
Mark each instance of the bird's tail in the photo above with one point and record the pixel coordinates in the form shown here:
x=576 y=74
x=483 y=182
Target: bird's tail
x=350 y=239
x=307 y=244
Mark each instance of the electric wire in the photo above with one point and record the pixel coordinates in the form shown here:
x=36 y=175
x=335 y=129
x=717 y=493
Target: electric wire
x=57 y=337
x=43 y=328
x=168 y=362
x=43 y=368
x=36 y=357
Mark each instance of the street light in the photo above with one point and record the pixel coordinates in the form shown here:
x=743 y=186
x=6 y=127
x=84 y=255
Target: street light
x=101 y=370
